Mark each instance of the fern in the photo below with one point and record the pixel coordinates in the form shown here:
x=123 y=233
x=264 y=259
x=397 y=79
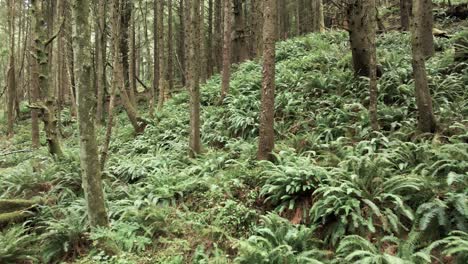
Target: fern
x=291 y=179
x=278 y=241
x=16 y=245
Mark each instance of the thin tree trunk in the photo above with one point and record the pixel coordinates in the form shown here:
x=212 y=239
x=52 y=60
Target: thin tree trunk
x=405 y=12
x=170 y=49
x=11 y=98
x=209 y=42
x=155 y=58
x=101 y=34
x=91 y=173
x=162 y=67
x=227 y=50
x=49 y=105
x=193 y=79
x=427 y=122
x=370 y=10
x=359 y=30
x=266 y=141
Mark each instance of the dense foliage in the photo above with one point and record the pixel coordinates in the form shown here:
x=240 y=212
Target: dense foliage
x=336 y=192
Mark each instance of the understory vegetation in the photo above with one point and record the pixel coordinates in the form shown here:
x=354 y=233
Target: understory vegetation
x=336 y=192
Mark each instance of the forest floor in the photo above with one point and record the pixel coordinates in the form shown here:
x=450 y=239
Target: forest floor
x=335 y=187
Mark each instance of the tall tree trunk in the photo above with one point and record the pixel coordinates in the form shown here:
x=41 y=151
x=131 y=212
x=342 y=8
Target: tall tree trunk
x=258 y=26
x=424 y=24
x=427 y=122
x=101 y=49
x=203 y=53
x=209 y=42
x=181 y=44
x=266 y=141
x=227 y=50
x=405 y=12
x=11 y=96
x=218 y=28
x=34 y=97
x=170 y=49
x=318 y=18
x=358 y=32
x=193 y=79
x=126 y=14
x=155 y=58
x=137 y=122
x=162 y=62
x=370 y=10
x=70 y=58
x=91 y=173
x=132 y=71
x=49 y=104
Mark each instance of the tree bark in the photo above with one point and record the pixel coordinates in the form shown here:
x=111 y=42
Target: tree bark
x=267 y=112
x=424 y=24
x=193 y=79
x=227 y=50
x=370 y=10
x=405 y=12
x=49 y=104
x=358 y=32
x=11 y=76
x=170 y=50
x=162 y=62
x=155 y=59
x=91 y=173
x=426 y=122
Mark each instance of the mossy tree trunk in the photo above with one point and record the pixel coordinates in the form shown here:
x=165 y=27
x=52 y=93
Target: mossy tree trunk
x=267 y=112
x=48 y=106
x=86 y=98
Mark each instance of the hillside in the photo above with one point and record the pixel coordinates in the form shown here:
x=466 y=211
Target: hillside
x=336 y=192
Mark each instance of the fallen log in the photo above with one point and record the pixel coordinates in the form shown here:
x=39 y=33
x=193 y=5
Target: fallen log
x=16 y=210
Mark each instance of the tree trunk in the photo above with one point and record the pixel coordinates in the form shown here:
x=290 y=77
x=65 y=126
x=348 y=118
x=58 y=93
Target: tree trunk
x=318 y=20
x=11 y=98
x=267 y=112
x=181 y=43
x=424 y=24
x=49 y=104
x=209 y=42
x=193 y=79
x=121 y=56
x=162 y=63
x=358 y=36
x=126 y=14
x=170 y=50
x=101 y=34
x=218 y=28
x=405 y=12
x=91 y=173
x=132 y=71
x=155 y=58
x=370 y=10
x=427 y=122
x=227 y=50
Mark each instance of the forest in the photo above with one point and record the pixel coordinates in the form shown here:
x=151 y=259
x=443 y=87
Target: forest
x=234 y=131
